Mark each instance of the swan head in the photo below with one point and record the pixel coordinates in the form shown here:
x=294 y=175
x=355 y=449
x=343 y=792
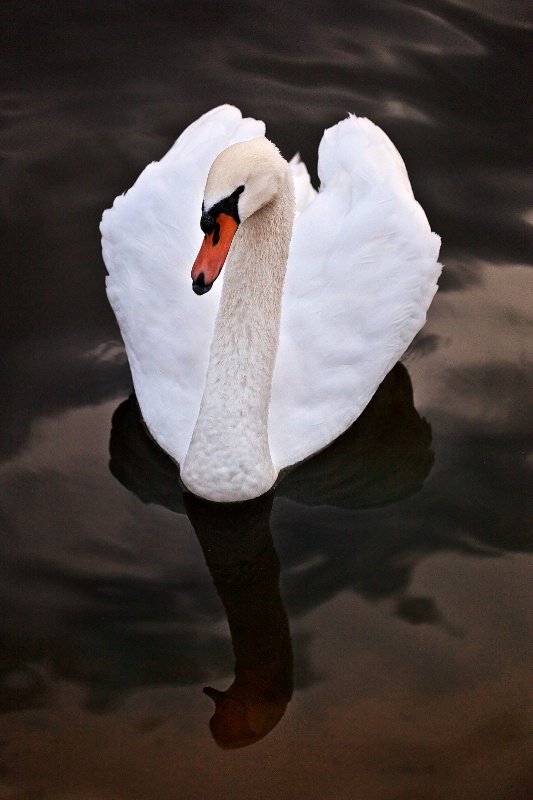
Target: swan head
x=243 y=178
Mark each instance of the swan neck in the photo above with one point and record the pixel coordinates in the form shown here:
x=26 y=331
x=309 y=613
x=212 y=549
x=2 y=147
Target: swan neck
x=229 y=456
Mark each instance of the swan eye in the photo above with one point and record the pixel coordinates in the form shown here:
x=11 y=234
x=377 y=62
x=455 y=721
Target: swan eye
x=229 y=205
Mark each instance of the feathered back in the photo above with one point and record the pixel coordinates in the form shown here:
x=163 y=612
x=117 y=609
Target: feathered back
x=361 y=274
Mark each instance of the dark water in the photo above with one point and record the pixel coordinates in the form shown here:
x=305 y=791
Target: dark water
x=379 y=601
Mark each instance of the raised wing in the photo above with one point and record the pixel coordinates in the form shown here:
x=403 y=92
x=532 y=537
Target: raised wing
x=149 y=240
x=361 y=275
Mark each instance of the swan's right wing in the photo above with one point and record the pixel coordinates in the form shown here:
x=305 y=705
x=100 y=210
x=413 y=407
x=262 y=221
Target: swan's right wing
x=361 y=275
x=149 y=241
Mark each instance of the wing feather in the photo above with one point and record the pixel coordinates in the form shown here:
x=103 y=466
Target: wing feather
x=361 y=275
x=150 y=238
x=362 y=272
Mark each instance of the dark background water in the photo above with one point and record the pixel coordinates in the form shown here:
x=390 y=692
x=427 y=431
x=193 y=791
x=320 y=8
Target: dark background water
x=408 y=594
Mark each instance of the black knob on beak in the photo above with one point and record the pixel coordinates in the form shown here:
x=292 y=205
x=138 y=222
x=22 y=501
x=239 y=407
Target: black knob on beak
x=199 y=286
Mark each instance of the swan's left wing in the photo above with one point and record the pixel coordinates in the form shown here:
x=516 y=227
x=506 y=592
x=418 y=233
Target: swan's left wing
x=149 y=241
x=361 y=275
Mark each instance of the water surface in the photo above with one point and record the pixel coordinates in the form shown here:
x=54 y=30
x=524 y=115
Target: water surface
x=372 y=616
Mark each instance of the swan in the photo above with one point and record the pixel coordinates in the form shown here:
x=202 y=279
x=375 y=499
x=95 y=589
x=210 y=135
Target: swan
x=322 y=294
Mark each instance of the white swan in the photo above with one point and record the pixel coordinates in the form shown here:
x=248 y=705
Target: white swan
x=272 y=365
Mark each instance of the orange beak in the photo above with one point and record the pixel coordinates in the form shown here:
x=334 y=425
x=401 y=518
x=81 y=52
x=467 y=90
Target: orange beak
x=213 y=253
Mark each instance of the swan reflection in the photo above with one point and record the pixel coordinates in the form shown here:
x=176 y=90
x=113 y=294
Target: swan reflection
x=384 y=456
x=239 y=552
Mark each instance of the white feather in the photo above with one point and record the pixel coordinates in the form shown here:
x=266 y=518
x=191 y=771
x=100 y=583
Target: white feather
x=361 y=274
x=149 y=241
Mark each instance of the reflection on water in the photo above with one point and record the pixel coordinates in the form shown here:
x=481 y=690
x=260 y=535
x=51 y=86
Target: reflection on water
x=239 y=551
x=385 y=455
x=405 y=549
